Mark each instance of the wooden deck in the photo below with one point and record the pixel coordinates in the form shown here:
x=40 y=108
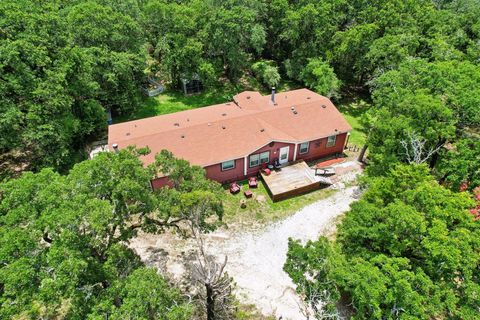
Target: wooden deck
x=291 y=180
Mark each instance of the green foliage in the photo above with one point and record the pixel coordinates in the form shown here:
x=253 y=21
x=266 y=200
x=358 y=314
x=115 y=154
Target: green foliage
x=310 y=267
x=183 y=36
x=267 y=73
x=461 y=164
x=143 y=295
x=320 y=77
x=408 y=249
x=63 y=238
x=432 y=101
x=61 y=67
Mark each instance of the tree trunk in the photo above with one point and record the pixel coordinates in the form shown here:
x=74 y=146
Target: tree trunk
x=362 y=153
x=433 y=160
x=210 y=303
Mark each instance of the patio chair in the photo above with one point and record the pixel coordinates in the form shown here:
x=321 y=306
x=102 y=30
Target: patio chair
x=277 y=164
x=234 y=188
x=252 y=182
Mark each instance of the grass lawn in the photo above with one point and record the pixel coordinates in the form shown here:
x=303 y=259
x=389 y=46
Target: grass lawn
x=353 y=109
x=172 y=101
x=265 y=211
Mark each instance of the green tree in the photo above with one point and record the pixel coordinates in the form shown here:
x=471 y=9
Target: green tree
x=319 y=76
x=63 y=238
x=407 y=249
x=267 y=72
x=460 y=164
x=61 y=67
x=142 y=295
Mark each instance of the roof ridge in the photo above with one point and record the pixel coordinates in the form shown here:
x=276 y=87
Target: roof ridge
x=249 y=113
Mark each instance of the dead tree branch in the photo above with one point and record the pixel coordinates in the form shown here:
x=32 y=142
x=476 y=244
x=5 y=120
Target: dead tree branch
x=415 y=151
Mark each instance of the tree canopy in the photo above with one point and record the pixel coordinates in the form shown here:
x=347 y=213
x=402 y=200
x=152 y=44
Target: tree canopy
x=63 y=239
x=407 y=250
x=63 y=65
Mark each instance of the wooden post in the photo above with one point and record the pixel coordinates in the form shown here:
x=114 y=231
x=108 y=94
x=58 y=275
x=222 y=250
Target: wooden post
x=362 y=153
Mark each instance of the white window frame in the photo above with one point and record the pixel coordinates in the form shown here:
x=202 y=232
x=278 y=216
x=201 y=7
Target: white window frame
x=226 y=163
x=307 y=148
x=264 y=159
x=257 y=156
x=331 y=143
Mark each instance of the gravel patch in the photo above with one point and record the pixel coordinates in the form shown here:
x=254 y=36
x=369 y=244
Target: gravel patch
x=256 y=258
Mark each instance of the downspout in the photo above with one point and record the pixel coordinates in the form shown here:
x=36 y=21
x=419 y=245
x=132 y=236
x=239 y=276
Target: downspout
x=346 y=141
x=245 y=166
x=295 y=152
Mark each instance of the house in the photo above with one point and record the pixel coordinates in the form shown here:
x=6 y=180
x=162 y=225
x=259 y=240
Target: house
x=233 y=140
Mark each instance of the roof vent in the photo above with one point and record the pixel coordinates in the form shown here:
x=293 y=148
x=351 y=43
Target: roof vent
x=223 y=127
x=176 y=124
x=308 y=98
x=224 y=114
x=115 y=147
x=127 y=134
x=248 y=97
x=188 y=120
x=262 y=130
x=324 y=106
x=183 y=136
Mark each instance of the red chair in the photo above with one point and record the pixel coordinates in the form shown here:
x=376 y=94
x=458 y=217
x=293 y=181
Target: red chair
x=234 y=188
x=252 y=182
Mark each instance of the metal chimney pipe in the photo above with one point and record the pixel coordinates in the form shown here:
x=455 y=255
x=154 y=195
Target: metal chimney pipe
x=115 y=147
x=273 y=95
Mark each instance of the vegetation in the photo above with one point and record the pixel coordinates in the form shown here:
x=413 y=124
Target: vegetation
x=63 y=238
x=61 y=67
x=354 y=110
x=262 y=209
x=407 y=249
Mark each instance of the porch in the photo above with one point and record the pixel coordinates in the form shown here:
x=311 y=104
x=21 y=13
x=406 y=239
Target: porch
x=292 y=180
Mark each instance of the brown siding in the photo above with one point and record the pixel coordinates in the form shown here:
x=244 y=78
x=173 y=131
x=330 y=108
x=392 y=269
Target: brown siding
x=274 y=148
x=215 y=172
x=318 y=148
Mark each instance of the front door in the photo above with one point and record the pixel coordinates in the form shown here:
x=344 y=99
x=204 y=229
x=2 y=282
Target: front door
x=283 y=157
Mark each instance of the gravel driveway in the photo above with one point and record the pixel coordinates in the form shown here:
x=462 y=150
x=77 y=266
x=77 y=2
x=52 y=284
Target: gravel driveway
x=256 y=258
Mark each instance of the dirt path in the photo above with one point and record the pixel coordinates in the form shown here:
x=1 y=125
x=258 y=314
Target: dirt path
x=255 y=258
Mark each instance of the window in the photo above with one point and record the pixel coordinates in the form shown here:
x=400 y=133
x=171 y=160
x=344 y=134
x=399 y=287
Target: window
x=304 y=147
x=331 y=141
x=227 y=165
x=254 y=160
x=265 y=157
